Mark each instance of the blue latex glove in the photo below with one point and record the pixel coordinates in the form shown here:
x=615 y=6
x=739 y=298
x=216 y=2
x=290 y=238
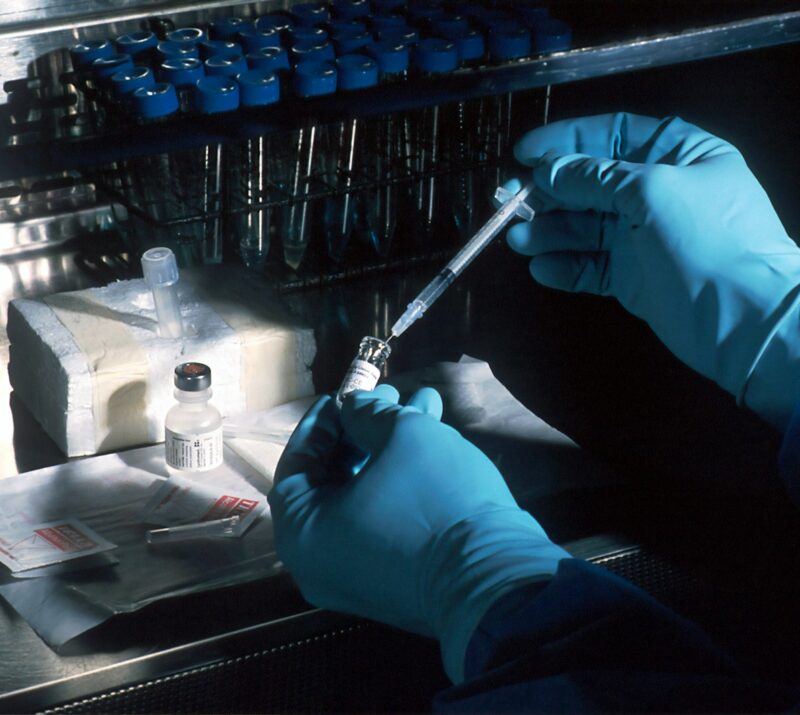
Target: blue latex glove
x=426 y=536
x=669 y=220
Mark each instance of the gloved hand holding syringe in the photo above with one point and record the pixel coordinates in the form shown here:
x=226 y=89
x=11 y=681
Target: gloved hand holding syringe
x=365 y=370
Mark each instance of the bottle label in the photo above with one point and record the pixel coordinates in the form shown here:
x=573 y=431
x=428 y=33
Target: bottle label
x=194 y=452
x=360 y=376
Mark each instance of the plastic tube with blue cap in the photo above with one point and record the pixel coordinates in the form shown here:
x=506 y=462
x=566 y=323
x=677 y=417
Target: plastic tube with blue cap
x=311 y=79
x=250 y=174
x=161 y=275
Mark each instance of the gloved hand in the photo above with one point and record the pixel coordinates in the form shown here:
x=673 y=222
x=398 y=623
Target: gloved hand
x=669 y=220
x=426 y=536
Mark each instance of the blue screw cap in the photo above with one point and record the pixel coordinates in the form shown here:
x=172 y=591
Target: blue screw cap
x=471 y=46
x=254 y=39
x=160 y=100
x=226 y=28
x=104 y=67
x=312 y=79
x=128 y=81
x=350 y=8
x=258 y=88
x=385 y=22
x=450 y=27
x=552 y=36
x=313 y=34
x=210 y=48
x=136 y=43
x=407 y=35
x=182 y=71
x=346 y=25
x=186 y=35
x=356 y=72
x=275 y=21
x=509 y=43
x=84 y=53
x=392 y=57
x=311 y=50
x=435 y=55
x=531 y=12
x=216 y=94
x=387 y=7
x=348 y=42
x=169 y=49
x=310 y=14
x=271 y=59
x=226 y=65
x=424 y=13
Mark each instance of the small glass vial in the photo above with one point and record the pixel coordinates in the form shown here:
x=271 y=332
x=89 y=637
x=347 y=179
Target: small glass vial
x=365 y=370
x=193 y=428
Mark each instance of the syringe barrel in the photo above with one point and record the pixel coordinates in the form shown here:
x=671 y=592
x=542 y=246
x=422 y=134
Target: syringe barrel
x=488 y=231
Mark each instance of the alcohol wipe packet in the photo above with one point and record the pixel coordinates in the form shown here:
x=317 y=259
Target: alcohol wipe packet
x=32 y=546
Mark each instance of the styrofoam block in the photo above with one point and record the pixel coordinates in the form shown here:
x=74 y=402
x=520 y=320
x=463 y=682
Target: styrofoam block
x=93 y=371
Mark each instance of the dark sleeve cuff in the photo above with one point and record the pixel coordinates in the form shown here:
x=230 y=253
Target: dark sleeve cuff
x=588 y=641
x=789 y=456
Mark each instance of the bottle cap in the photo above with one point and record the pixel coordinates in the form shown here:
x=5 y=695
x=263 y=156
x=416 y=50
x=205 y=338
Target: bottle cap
x=159 y=267
x=450 y=27
x=271 y=59
x=209 y=48
x=253 y=39
x=471 y=46
x=310 y=34
x=435 y=55
x=216 y=94
x=552 y=36
x=274 y=21
x=128 y=81
x=392 y=57
x=182 y=72
x=226 y=28
x=84 y=53
x=168 y=49
x=356 y=72
x=423 y=13
x=135 y=43
x=385 y=22
x=186 y=35
x=310 y=13
x=348 y=42
x=387 y=7
x=509 y=43
x=104 y=67
x=226 y=65
x=192 y=377
x=258 y=88
x=311 y=50
x=347 y=25
x=350 y=8
x=157 y=101
x=312 y=79
x=407 y=35
x=531 y=12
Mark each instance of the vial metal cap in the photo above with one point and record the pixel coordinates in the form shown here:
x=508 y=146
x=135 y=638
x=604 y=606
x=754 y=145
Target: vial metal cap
x=312 y=79
x=436 y=55
x=258 y=87
x=182 y=71
x=392 y=57
x=128 y=81
x=84 y=53
x=186 y=35
x=134 y=43
x=216 y=94
x=192 y=377
x=357 y=72
x=273 y=59
x=227 y=64
x=226 y=28
x=157 y=101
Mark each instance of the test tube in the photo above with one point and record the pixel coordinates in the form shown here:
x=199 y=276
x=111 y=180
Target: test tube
x=310 y=79
x=250 y=176
x=214 y=95
x=354 y=72
x=391 y=153
x=430 y=57
x=161 y=275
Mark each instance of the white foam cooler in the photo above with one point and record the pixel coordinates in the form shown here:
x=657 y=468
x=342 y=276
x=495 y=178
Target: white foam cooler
x=92 y=369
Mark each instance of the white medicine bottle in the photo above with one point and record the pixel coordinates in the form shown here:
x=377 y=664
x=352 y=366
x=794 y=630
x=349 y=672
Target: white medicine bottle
x=193 y=427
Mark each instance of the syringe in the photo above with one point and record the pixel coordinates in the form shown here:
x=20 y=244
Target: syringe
x=512 y=205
